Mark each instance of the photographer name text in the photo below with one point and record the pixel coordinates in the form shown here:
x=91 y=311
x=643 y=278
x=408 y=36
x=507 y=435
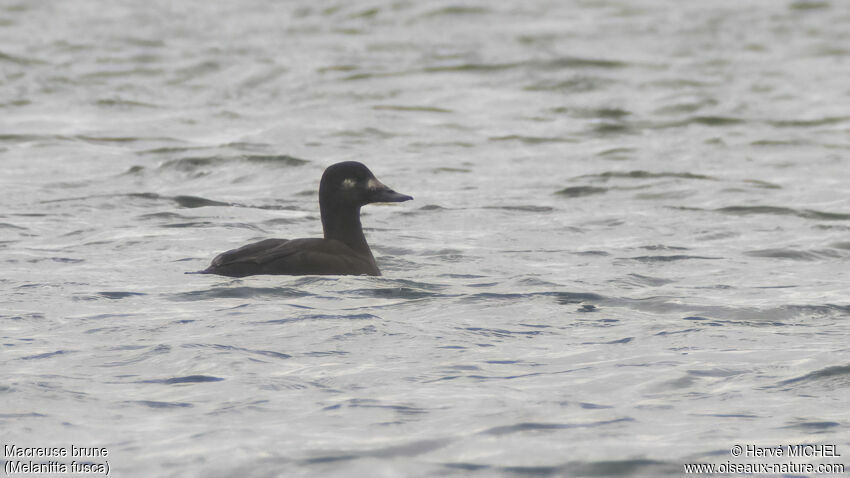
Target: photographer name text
x=786 y=451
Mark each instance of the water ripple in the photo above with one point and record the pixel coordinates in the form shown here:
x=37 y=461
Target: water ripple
x=525 y=427
x=784 y=211
x=193 y=164
x=187 y=379
x=838 y=375
x=242 y=292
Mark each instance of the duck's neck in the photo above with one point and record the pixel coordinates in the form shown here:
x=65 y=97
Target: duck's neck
x=344 y=225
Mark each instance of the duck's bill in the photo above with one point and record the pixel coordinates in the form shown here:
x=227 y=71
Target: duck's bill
x=386 y=194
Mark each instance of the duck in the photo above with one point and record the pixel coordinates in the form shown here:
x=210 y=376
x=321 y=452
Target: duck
x=344 y=188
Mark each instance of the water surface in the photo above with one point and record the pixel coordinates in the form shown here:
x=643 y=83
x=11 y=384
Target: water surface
x=628 y=249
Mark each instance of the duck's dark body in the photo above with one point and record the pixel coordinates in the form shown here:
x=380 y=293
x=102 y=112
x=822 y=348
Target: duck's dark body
x=313 y=256
x=344 y=188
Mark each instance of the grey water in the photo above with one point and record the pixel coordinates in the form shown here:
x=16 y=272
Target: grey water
x=628 y=248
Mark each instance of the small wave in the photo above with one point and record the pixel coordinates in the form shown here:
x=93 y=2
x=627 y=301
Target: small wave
x=396 y=293
x=366 y=133
x=202 y=224
x=676 y=194
x=581 y=191
x=310 y=317
x=808 y=5
x=839 y=374
x=779 y=316
x=119 y=294
x=196 y=201
x=418 y=109
x=134 y=171
x=168 y=150
x=500 y=332
x=240 y=293
x=163 y=215
x=809 y=123
x=577 y=297
x=704 y=321
x=32 y=316
x=612 y=128
x=231 y=348
x=414 y=448
x=601 y=113
x=714 y=120
x=564 y=298
x=624 y=340
x=532 y=139
x=462 y=276
x=471 y=67
x=489 y=296
x=194 y=71
x=671 y=258
x=27 y=138
x=633 y=467
x=784 y=211
x=593 y=253
x=126 y=72
x=156 y=404
x=6 y=225
x=534 y=426
x=616 y=153
x=124 y=104
x=123 y=139
x=418 y=284
x=555 y=64
x=67 y=260
x=727 y=415
x=45 y=355
x=781 y=142
x=663 y=247
x=258 y=79
x=141 y=357
x=523 y=208
x=446 y=170
x=319 y=460
x=579 y=62
x=457 y=10
x=370 y=403
x=579 y=84
x=274 y=159
x=812 y=427
x=192 y=164
x=796 y=255
x=187 y=379
x=20 y=60
x=639 y=174
x=761 y=184
x=687 y=106
x=22 y=415
x=181 y=201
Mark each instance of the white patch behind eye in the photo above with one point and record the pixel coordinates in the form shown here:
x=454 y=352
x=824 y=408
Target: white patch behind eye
x=348 y=183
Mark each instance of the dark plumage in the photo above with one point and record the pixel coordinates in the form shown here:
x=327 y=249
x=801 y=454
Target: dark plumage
x=344 y=189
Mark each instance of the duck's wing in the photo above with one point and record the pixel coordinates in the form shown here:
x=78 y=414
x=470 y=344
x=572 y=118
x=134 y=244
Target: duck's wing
x=292 y=257
x=242 y=261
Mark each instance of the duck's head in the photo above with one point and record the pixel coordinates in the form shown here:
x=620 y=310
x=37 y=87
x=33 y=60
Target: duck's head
x=351 y=183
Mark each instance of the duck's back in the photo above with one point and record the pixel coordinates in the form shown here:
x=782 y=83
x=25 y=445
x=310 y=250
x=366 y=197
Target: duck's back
x=293 y=257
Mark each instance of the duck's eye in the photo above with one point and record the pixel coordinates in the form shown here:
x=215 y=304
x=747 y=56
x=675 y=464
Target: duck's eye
x=348 y=183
